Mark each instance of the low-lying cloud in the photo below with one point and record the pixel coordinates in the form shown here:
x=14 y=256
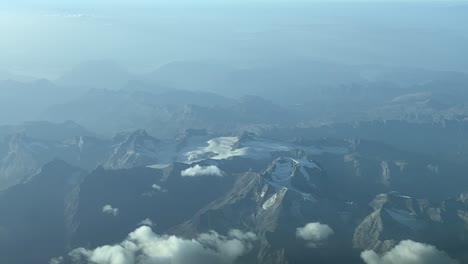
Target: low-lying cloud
x=409 y=252
x=198 y=170
x=108 y=209
x=146 y=222
x=158 y=188
x=143 y=247
x=314 y=233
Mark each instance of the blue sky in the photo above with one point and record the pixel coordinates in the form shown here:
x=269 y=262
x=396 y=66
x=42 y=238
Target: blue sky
x=51 y=38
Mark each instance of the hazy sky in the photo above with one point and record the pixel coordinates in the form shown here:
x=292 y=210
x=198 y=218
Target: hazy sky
x=47 y=37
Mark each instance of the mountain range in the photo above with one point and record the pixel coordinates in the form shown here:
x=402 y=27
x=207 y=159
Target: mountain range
x=290 y=201
x=293 y=161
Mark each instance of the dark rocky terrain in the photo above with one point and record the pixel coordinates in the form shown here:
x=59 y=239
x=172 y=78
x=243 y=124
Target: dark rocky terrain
x=369 y=194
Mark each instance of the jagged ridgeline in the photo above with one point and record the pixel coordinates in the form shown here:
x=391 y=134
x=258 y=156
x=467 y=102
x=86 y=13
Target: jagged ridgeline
x=233 y=132
x=283 y=200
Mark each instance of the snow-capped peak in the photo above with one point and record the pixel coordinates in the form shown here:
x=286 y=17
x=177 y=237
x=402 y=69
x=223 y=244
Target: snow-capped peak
x=295 y=175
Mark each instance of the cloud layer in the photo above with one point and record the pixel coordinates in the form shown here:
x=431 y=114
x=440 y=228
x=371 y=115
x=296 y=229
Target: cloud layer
x=409 y=252
x=198 y=170
x=143 y=247
x=314 y=233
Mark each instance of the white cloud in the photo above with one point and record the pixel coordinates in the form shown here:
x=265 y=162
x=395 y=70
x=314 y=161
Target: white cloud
x=56 y=260
x=155 y=189
x=314 y=233
x=409 y=252
x=108 y=209
x=146 y=222
x=158 y=188
x=144 y=247
x=198 y=170
x=72 y=15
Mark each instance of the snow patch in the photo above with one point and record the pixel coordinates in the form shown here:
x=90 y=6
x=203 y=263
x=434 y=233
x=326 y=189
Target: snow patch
x=405 y=218
x=284 y=171
x=270 y=202
x=217 y=149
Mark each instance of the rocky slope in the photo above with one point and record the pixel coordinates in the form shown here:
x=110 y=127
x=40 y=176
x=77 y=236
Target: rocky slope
x=35 y=210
